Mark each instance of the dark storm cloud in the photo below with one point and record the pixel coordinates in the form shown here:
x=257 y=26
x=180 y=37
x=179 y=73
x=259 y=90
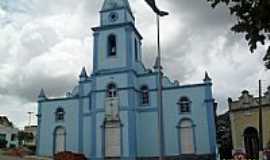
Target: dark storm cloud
x=200 y=14
x=3 y=91
x=54 y=87
x=38 y=44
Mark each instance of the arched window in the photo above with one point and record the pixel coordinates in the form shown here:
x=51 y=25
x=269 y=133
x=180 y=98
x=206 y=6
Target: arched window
x=144 y=95
x=184 y=105
x=59 y=114
x=112 y=48
x=111 y=90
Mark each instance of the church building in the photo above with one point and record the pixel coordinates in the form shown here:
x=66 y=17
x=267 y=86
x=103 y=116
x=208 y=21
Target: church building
x=244 y=117
x=112 y=112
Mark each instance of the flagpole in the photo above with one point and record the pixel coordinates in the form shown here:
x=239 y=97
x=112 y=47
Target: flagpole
x=159 y=93
x=159 y=13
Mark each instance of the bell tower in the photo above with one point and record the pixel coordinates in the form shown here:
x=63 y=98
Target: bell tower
x=117 y=43
x=116 y=12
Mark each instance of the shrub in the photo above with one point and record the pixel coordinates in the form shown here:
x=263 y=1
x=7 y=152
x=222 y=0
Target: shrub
x=69 y=156
x=16 y=152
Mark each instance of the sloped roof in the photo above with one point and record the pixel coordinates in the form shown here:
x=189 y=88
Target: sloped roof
x=5 y=122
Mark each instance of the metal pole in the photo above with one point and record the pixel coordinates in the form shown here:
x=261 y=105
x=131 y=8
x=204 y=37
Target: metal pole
x=159 y=94
x=260 y=118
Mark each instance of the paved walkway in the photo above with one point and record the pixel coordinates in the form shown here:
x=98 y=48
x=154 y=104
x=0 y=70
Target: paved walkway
x=9 y=158
x=17 y=158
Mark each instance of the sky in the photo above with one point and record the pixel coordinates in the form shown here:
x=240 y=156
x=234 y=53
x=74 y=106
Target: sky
x=45 y=43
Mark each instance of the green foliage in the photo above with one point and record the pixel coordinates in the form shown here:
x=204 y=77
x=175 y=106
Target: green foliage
x=224 y=137
x=253 y=19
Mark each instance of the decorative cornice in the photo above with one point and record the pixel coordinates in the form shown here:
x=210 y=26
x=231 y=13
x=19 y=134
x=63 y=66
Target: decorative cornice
x=113 y=26
x=249 y=108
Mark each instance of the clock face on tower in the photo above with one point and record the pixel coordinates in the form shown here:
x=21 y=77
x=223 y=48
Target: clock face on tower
x=113 y=17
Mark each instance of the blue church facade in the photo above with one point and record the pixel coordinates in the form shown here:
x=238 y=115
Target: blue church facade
x=112 y=113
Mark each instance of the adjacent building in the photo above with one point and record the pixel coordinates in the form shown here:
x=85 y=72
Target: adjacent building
x=8 y=132
x=112 y=113
x=32 y=131
x=244 y=116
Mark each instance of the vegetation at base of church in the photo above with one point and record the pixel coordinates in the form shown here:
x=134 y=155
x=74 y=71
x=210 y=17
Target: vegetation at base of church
x=3 y=143
x=253 y=19
x=224 y=137
x=69 y=156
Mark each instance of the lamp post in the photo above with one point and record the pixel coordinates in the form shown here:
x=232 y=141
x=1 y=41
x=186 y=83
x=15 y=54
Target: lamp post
x=158 y=66
x=260 y=122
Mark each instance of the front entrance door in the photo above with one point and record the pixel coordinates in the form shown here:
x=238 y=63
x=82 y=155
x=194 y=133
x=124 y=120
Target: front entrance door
x=112 y=140
x=251 y=142
x=59 y=141
x=186 y=137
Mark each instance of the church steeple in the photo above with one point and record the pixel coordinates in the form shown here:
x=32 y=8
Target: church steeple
x=116 y=12
x=117 y=42
x=115 y=4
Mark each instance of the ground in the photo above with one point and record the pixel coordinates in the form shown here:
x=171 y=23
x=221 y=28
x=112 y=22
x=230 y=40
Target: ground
x=17 y=158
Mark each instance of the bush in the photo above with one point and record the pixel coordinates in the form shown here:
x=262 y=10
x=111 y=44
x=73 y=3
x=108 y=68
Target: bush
x=16 y=152
x=3 y=143
x=69 y=156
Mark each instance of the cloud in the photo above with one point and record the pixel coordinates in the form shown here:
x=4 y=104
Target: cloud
x=44 y=44
x=196 y=39
x=16 y=110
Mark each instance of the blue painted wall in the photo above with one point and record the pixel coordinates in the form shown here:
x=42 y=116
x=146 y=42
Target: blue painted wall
x=84 y=110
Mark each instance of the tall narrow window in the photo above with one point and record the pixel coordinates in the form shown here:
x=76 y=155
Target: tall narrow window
x=3 y=139
x=136 y=49
x=3 y=136
x=111 y=90
x=184 y=105
x=144 y=95
x=59 y=114
x=13 y=137
x=112 y=48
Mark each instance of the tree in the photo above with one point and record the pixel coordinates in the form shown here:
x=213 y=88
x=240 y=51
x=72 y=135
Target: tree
x=224 y=136
x=253 y=20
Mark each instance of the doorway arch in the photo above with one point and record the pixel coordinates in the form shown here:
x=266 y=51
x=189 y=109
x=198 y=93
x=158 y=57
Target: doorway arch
x=251 y=141
x=59 y=139
x=186 y=137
